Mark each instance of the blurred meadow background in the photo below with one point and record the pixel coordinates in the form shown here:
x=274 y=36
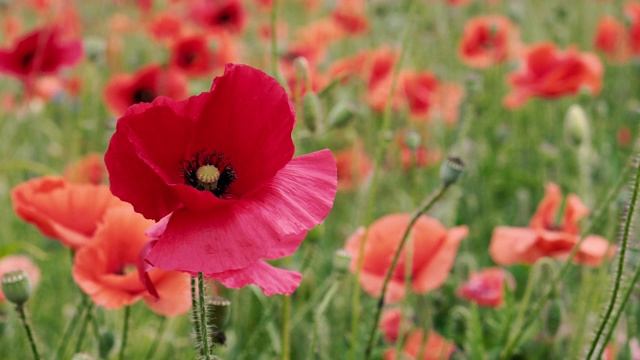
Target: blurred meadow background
x=338 y=60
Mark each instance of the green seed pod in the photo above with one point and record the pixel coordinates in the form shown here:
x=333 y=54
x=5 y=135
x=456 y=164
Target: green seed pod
x=105 y=345
x=341 y=261
x=340 y=115
x=576 y=126
x=553 y=318
x=16 y=286
x=95 y=48
x=218 y=312
x=451 y=170
x=311 y=111
x=412 y=139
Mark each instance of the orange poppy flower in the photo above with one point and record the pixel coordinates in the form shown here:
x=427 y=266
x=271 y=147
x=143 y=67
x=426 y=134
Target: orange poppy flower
x=434 y=250
x=435 y=348
x=105 y=269
x=62 y=210
x=543 y=237
x=353 y=166
x=548 y=72
x=90 y=169
x=390 y=324
x=486 y=287
x=19 y=262
x=486 y=41
x=611 y=39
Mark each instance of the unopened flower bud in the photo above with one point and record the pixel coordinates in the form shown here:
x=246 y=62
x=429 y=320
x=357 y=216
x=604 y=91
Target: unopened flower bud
x=301 y=68
x=553 y=318
x=340 y=115
x=218 y=312
x=576 y=126
x=105 y=344
x=311 y=111
x=341 y=261
x=412 y=139
x=95 y=48
x=16 y=286
x=451 y=170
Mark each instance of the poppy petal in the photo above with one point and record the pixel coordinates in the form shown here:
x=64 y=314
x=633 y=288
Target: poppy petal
x=271 y=280
x=510 y=244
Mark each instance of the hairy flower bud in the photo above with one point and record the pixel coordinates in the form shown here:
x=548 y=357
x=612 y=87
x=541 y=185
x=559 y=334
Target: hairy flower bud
x=576 y=126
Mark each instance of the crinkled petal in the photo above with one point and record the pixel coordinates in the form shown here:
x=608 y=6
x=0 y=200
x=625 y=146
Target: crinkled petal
x=298 y=198
x=271 y=280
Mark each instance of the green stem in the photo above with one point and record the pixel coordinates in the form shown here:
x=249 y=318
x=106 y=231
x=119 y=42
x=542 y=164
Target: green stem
x=194 y=316
x=534 y=313
x=318 y=314
x=286 y=328
x=383 y=143
x=428 y=203
x=71 y=326
x=125 y=329
x=83 y=327
x=621 y=260
x=203 y=317
x=27 y=328
x=156 y=341
x=404 y=306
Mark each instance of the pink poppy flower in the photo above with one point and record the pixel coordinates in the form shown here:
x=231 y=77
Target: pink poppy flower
x=221 y=164
x=543 y=237
x=486 y=287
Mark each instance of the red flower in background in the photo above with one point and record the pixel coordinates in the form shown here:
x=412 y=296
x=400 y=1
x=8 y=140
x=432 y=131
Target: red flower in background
x=434 y=250
x=611 y=39
x=19 y=262
x=632 y=12
x=513 y=245
x=350 y=16
x=221 y=164
x=191 y=55
x=486 y=287
x=42 y=51
x=219 y=16
x=549 y=73
x=90 y=169
x=62 y=210
x=354 y=166
x=105 y=269
x=435 y=348
x=486 y=41
x=166 y=27
x=144 y=86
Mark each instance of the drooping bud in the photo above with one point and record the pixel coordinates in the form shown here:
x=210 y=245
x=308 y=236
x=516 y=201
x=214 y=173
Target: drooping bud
x=311 y=111
x=576 y=126
x=340 y=115
x=16 y=286
x=451 y=170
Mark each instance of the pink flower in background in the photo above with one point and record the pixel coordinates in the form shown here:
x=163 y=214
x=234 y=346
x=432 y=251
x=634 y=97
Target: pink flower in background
x=486 y=287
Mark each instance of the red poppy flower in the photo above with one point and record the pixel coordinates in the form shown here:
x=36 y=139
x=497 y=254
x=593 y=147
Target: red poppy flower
x=486 y=287
x=390 y=324
x=353 y=166
x=550 y=73
x=632 y=12
x=19 y=262
x=144 y=86
x=221 y=163
x=513 y=245
x=435 y=348
x=165 y=27
x=611 y=39
x=105 y=269
x=350 y=16
x=434 y=249
x=219 y=16
x=62 y=210
x=486 y=41
x=192 y=55
x=42 y=51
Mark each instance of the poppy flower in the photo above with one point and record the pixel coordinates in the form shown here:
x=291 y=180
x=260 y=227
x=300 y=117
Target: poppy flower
x=632 y=13
x=390 y=324
x=435 y=348
x=219 y=16
x=89 y=169
x=350 y=16
x=548 y=72
x=105 y=269
x=19 y=262
x=434 y=250
x=144 y=86
x=221 y=164
x=62 y=210
x=354 y=166
x=611 y=39
x=486 y=287
x=165 y=27
x=545 y=238
x=42 y=51
x=486 y=41
x=192 y=55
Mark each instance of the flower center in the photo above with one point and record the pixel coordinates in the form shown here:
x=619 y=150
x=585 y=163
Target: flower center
x=143 y=95
x=209 y=171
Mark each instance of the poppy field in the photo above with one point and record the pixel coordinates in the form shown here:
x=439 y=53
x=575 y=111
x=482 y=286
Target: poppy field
x=319 y=179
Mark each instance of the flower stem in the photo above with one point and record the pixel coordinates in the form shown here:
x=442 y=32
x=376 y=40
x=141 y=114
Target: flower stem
x=83 y=327
x=626 y=231
x=72 y=326
x=23 y=318
x=194 y=316
x=383 y=143
x=125 y=329
x=159 y=334
x=286 y=328
x=203 y=317
x=533 y=314
x=428 y=203
x=317 y=315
